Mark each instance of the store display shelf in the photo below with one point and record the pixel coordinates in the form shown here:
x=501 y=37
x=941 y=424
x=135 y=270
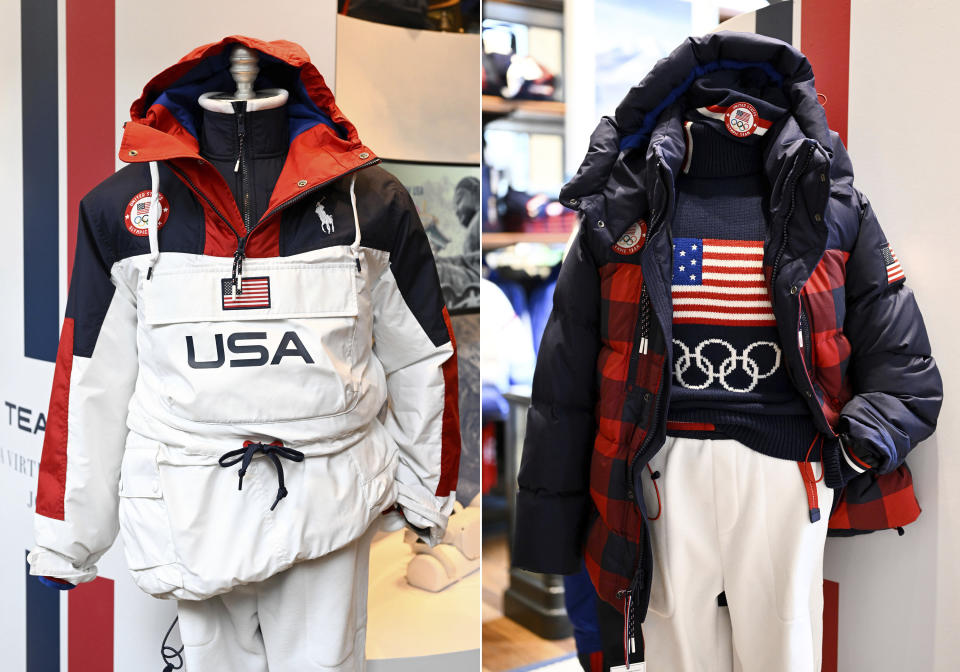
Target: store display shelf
x=524 y=109
x=492 y=241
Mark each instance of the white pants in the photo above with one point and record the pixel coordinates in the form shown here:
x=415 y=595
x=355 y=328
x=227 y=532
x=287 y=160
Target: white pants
x=737 y=522
x=310 y=618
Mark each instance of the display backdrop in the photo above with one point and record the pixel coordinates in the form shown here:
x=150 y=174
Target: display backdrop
x=416 y=92
x=69 y=71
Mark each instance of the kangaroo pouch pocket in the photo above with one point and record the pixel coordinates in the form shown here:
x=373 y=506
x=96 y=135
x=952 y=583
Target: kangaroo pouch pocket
x=285 y=349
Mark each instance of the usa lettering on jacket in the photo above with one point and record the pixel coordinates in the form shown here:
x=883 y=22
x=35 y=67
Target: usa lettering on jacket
x=290 y=346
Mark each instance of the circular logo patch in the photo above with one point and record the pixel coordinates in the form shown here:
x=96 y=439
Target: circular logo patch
x=633 y=239
x=741 y=119
x=137 y=216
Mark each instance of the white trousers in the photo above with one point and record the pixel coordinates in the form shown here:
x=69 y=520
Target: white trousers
x=737 y=522
x=310 y=618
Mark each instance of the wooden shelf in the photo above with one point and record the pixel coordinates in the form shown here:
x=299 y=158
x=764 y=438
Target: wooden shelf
x=492 y=241
x=524 y=109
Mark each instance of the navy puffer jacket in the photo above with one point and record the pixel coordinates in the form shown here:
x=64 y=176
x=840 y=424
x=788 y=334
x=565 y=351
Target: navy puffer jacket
x=854 y=341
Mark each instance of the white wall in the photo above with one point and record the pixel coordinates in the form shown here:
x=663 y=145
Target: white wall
x=413 y=94
x=903 y=144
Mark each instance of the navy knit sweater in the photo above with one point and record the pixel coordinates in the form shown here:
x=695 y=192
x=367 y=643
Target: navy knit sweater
x=729 y=379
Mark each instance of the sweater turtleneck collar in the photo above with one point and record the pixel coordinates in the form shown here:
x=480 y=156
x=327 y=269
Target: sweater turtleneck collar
x=266 y=133
x=714 y=153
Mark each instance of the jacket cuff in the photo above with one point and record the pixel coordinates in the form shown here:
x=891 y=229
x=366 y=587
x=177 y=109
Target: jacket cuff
x=55 y=583
x=425 y=514
x=52 y=565
x=840 y=464
x=548 y=533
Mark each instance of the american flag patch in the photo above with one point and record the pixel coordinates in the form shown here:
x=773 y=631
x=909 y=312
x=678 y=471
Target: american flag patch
x=892 y=264
x=256 y=293
x=720 y=282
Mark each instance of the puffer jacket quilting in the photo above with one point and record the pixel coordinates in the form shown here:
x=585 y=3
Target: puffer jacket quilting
x=859 y=354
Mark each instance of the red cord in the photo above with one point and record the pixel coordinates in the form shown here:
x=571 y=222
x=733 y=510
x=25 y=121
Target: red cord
x=807 y=457
x=657 y=490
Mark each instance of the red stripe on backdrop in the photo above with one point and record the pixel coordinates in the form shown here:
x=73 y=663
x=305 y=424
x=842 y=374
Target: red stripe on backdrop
x=90 y=626
x=91 y=87
x=825 y=39
x=831 y=624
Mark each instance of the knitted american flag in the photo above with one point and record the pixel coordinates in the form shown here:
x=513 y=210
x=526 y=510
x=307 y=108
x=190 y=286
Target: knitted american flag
x=718 y=281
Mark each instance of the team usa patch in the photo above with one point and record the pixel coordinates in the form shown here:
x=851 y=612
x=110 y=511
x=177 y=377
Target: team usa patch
x=892 y=264
x=137 y=216
x=633 y=239
x=741 y=119
x=252 y=293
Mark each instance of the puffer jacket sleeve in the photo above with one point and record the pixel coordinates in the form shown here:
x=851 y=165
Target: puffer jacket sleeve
x=413 y=339
x=897 y=387
x=96 y=369
x=553 y=501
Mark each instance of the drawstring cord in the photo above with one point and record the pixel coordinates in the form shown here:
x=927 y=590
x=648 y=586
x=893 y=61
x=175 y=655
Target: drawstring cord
x=355 y=246
x=171 y=656
x=274 y=451
x=810 y=482
x=153 y=217
x=654 y=475
x=629 y=617
x=237 y=275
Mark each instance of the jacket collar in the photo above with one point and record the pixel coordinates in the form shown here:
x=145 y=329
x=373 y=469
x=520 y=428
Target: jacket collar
x=633 y=157
x=323 y=145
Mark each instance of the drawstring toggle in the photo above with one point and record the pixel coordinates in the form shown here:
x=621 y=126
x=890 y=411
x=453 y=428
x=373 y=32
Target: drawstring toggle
x=274 y=451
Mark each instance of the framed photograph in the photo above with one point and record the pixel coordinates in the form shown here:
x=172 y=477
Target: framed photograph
x=447 y=197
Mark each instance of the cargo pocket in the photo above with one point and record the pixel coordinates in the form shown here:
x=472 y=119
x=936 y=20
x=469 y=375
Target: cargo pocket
x=144 y=525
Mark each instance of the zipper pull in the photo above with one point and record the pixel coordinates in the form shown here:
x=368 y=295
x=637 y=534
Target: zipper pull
x=237 y=276
x=241 y=133
x=644 y=340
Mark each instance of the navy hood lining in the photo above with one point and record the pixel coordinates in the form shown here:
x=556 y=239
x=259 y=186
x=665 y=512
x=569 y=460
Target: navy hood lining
x=213 y=74
x=636 y=139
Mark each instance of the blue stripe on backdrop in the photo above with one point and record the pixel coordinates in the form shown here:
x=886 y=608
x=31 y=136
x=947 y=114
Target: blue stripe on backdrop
x=41 y=196
x=43 y=626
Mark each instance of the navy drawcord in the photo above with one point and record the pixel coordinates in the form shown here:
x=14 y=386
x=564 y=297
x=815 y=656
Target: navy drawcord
x=171 y=654
x=274 y=451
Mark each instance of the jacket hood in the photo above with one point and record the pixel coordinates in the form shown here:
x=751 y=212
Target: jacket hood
x=718 y=68
x=166 y=116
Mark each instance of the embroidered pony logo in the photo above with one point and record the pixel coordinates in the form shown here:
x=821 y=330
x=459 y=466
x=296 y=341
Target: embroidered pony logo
x=326 y=220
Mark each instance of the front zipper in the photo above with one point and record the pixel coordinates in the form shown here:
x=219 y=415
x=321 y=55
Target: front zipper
x=786 y=219
x=805 y=331
x=640 y=346
x=239 y=255
x=811 y=390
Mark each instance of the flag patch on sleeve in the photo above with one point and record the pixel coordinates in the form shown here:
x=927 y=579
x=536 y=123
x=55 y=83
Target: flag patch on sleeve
x=892 y=264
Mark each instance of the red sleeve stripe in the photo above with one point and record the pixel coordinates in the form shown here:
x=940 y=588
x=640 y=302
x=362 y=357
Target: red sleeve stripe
x=450 y=452
x=52 y=479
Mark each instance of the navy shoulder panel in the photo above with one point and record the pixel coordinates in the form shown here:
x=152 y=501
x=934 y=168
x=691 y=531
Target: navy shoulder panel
x=388 y=222
x=123 y=233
